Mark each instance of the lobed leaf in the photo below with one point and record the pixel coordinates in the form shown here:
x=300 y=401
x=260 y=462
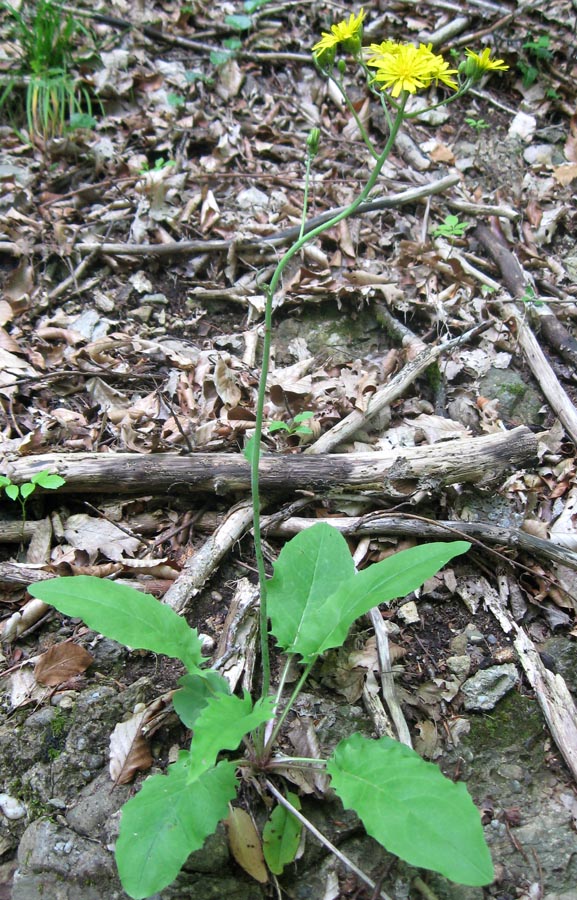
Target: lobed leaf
x=221 y=725
x=124 y=614
x=325 y=624
x=409 y=806
x=166 y=821
x=194 y=692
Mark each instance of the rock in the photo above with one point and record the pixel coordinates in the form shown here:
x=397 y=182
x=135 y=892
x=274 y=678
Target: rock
x=518 y=401
x=54 y=863
x=563 y=654
x=459 y=666
x=97 y=802
x=484 y=689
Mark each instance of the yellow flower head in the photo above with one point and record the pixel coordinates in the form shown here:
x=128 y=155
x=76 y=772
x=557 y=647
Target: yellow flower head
x=477 y=64
x=349 y=34
x=404 y=67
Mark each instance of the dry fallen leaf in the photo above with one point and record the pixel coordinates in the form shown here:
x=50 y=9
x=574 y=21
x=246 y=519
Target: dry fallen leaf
x=565 y=174
x=61 y=662
x=99 y=536
x=129 y=750
x=245 y=844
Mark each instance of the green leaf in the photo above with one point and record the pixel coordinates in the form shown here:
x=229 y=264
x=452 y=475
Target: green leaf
x=124 y=614
x=302 y=417
x=281 y=836
x=219 y=57
x=232 y=43
x=48 y=480
x=310 y=568
x=194 y=693
x=166 y=821
x=277 y=426
x=12 y=491
x=221 y=725
x=4 y=481
x=82 y=120
x=26 y=489
x=239 y=23
x=409 y=806
x=325 y=624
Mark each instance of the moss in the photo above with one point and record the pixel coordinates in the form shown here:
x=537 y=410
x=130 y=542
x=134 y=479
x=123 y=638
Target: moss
x=515 y=721
x=60 y=723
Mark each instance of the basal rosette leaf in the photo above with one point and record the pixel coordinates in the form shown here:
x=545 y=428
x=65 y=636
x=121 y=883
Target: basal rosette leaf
x=167 y=821
x=325 y=623
x=124 y=614
x=409 y=806
x=281 y=836
x=195 y=690
x=310 y=567
x=221 y=725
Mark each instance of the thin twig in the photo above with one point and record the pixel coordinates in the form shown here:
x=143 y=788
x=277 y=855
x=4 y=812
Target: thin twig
x=324 y=840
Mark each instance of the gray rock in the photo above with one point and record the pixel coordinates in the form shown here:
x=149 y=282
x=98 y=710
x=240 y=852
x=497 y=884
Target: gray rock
x=96 y=803
x=484 y=689
x=54 y=863
x=459 y=666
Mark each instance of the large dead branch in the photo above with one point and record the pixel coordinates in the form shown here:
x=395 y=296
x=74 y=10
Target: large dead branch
x=394 y=473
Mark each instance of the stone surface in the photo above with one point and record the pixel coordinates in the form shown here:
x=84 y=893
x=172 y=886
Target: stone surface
x=484 y=689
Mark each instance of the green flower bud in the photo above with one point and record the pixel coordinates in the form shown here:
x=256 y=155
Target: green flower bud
x=313 y=142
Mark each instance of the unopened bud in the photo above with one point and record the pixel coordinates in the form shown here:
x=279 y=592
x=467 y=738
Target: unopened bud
x=313 y=142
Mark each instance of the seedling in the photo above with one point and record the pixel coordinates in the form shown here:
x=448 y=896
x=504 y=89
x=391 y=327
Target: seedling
x=537 y=52
x=241 y=23
x=20 y=493
x=296 y=427
x=451 y=227
x=477 y=125
x=529 y=296
x=160 y=165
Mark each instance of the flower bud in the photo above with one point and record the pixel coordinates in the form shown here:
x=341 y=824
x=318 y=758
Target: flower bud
x=313 y=142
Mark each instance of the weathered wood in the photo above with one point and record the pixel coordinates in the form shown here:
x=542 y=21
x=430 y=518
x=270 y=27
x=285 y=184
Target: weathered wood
x=395 y=473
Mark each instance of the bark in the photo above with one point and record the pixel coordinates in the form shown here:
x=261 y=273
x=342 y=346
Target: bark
x=395 y=473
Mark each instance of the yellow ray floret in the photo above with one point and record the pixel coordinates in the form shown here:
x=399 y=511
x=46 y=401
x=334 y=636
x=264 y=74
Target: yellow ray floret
x=340 y=33
x=482 y=62
x=404 y=67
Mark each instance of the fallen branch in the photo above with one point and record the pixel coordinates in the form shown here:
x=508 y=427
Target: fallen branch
x=386 y=395
x=551 y=691
x=397 y=524
x=392 y=473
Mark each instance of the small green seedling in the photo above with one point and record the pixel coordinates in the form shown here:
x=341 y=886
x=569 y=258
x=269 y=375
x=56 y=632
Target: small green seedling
x=530 y=296
x=487 y=289
x=20 y=493
x=537 y=52
x=477 y=125
x=241 y=23
x=451 y=227
x=296 y=427
x=159 y=165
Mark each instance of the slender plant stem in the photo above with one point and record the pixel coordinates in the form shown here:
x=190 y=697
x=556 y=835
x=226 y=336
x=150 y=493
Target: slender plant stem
x=270 y=291
x=308 y=163
x=289 y=704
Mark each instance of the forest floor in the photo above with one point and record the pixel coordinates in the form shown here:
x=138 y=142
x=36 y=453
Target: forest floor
x=133 y=260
